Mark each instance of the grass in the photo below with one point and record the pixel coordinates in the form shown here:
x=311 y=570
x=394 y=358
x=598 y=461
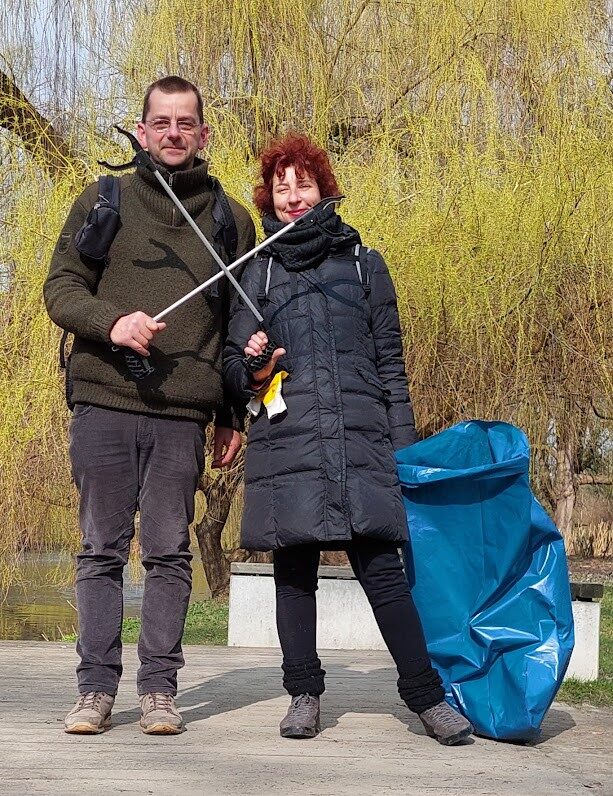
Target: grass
x=206 y=623
x=596 y=692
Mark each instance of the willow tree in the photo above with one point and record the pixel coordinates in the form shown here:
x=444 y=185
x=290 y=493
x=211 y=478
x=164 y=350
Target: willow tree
x=474 y=143
x=473 y=140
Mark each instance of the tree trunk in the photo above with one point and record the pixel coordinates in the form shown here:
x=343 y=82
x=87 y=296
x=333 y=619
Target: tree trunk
x=208 y=532
x=564 y=490
x=219 y=493
x=38 y=135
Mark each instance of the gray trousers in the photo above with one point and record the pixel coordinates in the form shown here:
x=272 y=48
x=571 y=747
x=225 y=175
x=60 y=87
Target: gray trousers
x=124 y=462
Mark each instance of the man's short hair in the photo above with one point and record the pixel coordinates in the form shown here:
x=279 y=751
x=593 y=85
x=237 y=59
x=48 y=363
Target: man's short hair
x=171 y=85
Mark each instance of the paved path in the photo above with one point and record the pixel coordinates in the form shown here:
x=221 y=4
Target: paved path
x=232 y=701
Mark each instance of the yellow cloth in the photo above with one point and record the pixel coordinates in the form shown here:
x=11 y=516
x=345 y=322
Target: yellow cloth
x=270 y=396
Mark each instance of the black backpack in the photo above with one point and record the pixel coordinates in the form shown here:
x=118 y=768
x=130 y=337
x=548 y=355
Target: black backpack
x=97 y=234
x=95 y=237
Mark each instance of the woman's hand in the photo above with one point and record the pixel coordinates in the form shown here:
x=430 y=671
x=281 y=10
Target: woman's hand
x=256 y=345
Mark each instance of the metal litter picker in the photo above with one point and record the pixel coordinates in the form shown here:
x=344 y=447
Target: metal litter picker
x=138 y=366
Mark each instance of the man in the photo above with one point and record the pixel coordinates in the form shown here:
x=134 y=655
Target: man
x=138 y=445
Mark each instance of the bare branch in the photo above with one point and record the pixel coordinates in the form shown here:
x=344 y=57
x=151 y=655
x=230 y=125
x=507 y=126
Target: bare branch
x=599 y=414
x=589 y=478
x=412 y=85
x=350 y=25
x=39 y=137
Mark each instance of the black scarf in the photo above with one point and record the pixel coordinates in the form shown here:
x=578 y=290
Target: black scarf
x=308 y=246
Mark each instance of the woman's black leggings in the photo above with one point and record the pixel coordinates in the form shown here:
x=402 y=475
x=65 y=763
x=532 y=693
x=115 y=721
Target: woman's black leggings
x=378 y=568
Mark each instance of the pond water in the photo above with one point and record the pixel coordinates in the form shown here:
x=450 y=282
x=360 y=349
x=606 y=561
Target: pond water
x=38 y=610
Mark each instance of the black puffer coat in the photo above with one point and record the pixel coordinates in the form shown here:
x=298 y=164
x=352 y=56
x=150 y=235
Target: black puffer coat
x=325 y=469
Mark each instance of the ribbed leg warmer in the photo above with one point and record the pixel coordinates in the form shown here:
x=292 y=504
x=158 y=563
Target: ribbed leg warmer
x=304 y=677
x=422 y=690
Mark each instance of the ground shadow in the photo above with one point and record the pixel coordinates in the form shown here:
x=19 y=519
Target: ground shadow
x=221 y=693
x=555 y=723
x=348 y=691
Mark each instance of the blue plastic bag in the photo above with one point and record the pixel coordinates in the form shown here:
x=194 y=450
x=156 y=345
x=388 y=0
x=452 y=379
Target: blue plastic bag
x=488 y=574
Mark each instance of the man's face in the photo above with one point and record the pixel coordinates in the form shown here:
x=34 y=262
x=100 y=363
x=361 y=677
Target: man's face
x=172 y=132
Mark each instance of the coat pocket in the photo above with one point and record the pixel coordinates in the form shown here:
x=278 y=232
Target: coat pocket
x=373 y=379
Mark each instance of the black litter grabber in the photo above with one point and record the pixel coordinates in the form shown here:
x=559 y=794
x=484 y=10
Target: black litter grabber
x=138 y=366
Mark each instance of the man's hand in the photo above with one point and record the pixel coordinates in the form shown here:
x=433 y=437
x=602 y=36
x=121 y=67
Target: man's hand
x=226 y=445
x=257 y=343
x=136 y=331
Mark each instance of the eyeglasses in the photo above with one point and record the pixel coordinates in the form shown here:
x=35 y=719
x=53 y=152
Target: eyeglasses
x=163 y=125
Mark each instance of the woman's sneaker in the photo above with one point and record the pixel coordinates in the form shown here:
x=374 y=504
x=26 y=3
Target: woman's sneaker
x=446 y=724
x=91 y=714
x=159 y=715
x=302 y=719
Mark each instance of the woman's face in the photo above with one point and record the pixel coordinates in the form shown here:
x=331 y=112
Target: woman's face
x=293 y=195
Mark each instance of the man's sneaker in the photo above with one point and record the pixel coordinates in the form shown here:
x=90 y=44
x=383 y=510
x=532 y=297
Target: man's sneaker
x=302 y=719
x=159 y=715
x=91 y=714
x=446 y=724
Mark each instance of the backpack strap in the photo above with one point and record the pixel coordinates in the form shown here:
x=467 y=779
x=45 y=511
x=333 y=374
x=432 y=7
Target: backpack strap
x=65 y=366
x=265 y=275
x=97 y=234
x=63 y=341
x=109 y=190
x=94 y=239
x=361 y=265
x=264 y=286
x=224 y=218
x=224 y=226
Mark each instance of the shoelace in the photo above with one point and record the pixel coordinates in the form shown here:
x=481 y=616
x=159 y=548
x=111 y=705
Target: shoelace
x=301 y=706
x=91 y=700
x=161 y=701
x=445 y=714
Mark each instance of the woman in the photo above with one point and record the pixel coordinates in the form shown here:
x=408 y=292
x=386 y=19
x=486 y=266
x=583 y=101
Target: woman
x=322 y=473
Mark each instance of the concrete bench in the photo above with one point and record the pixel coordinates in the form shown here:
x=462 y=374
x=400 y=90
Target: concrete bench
x=345 y=620
x=586 y=614
x=344 y=617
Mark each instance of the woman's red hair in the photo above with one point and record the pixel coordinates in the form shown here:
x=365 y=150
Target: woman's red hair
x=299 y=151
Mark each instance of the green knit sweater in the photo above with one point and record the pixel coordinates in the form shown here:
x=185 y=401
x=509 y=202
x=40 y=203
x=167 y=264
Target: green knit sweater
x=155 y=259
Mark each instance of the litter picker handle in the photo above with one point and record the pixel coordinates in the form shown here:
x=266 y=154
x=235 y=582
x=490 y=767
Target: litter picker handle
x=137 y=365
x=253 y=364
x=142 y=158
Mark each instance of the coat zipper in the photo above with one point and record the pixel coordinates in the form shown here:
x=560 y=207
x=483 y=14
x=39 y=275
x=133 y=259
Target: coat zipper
x=337 y=393
x=314 y=369
x=339 y=404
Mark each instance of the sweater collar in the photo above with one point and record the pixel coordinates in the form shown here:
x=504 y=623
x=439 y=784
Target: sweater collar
x=193 y=187
x=183 y=183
